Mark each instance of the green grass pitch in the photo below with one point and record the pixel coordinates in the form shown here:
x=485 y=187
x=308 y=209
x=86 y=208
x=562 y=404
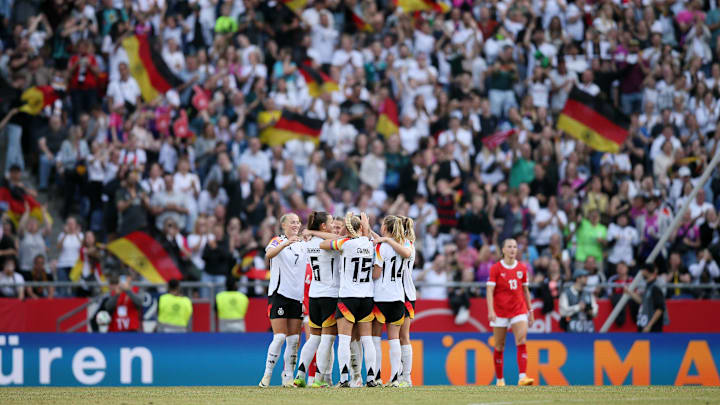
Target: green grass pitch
x=445 y=395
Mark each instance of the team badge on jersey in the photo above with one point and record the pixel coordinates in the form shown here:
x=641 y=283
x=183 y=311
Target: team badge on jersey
x=519 y=274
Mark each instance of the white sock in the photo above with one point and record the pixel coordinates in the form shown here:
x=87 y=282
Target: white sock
x=306 y=354
x=324 y=353
x=355 y=359
x=274 y=352
x=290 y=356
x=369 y=352
x=377 y=342
x=406 y=358
x=395 y=360
x=344 y=357
x=327 y=377
x=522 y=375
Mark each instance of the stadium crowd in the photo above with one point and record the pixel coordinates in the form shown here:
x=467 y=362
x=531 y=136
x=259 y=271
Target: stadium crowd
x=461 y=74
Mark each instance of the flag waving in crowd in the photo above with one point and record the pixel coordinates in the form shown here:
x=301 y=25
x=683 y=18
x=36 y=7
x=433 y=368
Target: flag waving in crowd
x=388 y=120
x=148 y=68
x=282 y=126
x=146 y=256
x=593 y=121
x=317 y=81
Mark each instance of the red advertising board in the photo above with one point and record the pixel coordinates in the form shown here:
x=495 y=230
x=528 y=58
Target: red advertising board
x=430 y=316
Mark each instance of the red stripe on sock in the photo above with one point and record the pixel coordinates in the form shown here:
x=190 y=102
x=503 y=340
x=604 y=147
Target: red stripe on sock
x=312 y=368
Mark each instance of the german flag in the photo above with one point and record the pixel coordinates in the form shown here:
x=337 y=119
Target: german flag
x=287 y=125
x=15 y=199
x=148 y=68
x=593 y=121
x=360 y=23
x=317 y=81
x=411 y=6
x=245 y=267
x=82 y=265
x=296 y=6
x=146 y=256
x=388 y=121
x=36 y=98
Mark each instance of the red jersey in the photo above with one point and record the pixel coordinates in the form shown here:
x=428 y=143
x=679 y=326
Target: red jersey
x=83 y=78
x=308 y=280
x=126 y=316
x=508 y=296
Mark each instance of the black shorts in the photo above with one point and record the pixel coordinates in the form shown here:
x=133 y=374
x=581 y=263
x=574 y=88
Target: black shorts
x=282 y=307
x=355 y=309
x=322 y=312
x=390 y=312
x=410 y=309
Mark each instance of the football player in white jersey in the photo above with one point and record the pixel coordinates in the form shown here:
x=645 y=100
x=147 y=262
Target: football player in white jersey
x=355 y=297
x=389 y=293
x=410 y=297
x=322 y=303
x=287 y=255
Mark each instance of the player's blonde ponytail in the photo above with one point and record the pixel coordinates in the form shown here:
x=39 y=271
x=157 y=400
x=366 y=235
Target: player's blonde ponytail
x=394 y=226
x=409 y=227
x=352 y=224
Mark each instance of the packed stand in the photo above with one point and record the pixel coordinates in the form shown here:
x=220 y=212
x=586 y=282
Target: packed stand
x=190 y=166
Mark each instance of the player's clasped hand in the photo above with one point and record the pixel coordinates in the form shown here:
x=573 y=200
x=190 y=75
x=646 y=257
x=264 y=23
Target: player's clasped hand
x=491 y=316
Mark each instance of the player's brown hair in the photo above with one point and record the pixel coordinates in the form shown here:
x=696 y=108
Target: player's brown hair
x=316 y=219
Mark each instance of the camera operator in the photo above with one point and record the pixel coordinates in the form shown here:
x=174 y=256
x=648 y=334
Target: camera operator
x=578 y=306
x=459 y=297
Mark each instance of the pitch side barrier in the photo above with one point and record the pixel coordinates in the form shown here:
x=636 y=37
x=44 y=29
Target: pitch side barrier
x=122 y=359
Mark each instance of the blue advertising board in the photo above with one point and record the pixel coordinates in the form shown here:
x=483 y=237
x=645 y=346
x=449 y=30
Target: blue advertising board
x=48 y=359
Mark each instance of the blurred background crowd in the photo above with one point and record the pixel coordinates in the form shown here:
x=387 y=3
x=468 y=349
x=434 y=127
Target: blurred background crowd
x=103 y=161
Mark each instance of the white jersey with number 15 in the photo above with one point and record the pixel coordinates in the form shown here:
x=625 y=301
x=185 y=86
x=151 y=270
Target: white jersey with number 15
x=357 y=265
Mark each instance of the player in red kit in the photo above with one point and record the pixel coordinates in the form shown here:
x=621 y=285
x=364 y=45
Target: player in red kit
x=508 y=301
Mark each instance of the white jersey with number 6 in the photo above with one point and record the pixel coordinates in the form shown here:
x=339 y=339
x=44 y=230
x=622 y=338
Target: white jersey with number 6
x=357 y=265
x=287 y=269
x=325 y=267
x=408 y=283
x=389 y=287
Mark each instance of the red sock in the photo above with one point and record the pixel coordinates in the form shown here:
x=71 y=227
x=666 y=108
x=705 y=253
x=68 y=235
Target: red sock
x=498 y=359
x=522 y=358
x=312 y=368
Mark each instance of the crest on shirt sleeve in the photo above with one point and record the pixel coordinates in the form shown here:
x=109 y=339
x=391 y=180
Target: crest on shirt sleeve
x=519 y=275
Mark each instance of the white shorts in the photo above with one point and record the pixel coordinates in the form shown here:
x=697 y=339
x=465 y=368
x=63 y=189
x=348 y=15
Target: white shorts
x=507 y=322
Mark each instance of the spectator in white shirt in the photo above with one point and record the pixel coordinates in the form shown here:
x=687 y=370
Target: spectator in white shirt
x=372 y=170
x=586 y=84
x=188 y=184
x=409 y=135
x=434 y=273
x=11 y=283
x=548 y=221
x=699 y=207
x=256 y=160
x=347 y=58
x=323 y=38
x=173 y=56
x=125 y=89
x=315 y=173
x=705 y=270
x=623 y=238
